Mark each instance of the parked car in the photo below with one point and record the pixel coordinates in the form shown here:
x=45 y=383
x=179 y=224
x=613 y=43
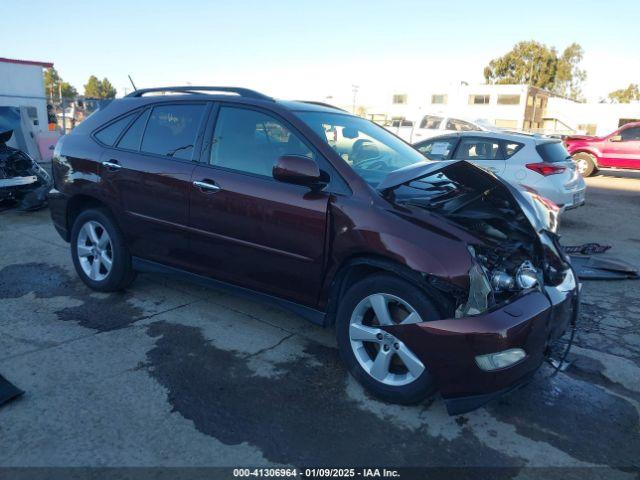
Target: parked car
x=23 y=182
x=436 y=275
x=430 y=126
x=620 y=149
x=529 y=162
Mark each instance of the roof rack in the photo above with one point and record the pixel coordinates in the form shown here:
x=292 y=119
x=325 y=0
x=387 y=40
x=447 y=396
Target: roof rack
x=243 y=92
x=322 y=104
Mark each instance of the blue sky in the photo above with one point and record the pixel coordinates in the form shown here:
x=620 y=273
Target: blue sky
x=295 y=48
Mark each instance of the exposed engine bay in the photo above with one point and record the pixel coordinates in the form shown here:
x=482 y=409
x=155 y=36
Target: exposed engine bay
x=512 y=256
x=22 y=180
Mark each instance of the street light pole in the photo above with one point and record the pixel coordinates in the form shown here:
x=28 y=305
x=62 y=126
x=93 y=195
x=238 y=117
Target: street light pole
x=354 y=89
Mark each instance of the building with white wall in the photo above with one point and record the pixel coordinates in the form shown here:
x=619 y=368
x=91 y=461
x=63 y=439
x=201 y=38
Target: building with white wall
x=516 y=107
x=22 y=85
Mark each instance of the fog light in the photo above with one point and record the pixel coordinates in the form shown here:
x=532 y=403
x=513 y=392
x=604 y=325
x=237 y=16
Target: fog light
x=495 y=361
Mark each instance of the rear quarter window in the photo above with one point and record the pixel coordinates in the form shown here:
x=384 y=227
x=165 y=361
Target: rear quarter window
x=511 y=148
x=553 y=152
x=109 y=134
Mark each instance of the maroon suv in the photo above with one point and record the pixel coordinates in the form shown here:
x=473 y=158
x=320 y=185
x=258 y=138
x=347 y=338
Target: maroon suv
x=437 y=275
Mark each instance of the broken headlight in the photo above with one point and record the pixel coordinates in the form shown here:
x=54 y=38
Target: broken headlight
x=490 y=284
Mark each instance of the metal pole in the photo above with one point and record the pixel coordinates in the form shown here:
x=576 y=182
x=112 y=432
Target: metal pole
x=64 y=120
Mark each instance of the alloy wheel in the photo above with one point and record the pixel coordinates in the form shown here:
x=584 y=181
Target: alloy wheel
x=95 y=251
x=582 y=165
x=379 y=353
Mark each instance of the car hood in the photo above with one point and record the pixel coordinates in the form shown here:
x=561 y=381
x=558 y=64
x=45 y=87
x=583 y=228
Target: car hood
x=540 y=213
x=581 y=138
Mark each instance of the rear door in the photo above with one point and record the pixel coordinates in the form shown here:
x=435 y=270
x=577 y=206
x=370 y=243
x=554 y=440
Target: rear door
x=149 y=171
x=247 y=228
x=622 y=150
x=484 y=152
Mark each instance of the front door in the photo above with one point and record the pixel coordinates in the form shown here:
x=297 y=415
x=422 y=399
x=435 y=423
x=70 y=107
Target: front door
x=149 y=171
x=623 y=149
x=246 y=227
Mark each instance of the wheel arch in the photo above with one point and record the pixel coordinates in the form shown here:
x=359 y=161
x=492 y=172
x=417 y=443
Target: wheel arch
x=79 y=203
x=589 y=151
x=358 y=267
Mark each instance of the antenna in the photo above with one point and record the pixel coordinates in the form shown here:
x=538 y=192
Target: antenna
x=131 y=80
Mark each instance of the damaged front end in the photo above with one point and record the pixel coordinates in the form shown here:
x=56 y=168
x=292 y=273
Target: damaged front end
x=515 y=249
x=521 y=293
x=22 y=180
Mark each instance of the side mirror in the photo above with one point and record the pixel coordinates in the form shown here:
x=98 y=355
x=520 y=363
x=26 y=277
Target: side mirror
x=615 y=138
x=297 y=169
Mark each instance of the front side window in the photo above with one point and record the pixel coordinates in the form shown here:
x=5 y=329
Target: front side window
x=370 y=150
x=251 y=142
x=473 y=149
x=431 y=122
x=630 y=134
x=437 y=149
x=172 y=130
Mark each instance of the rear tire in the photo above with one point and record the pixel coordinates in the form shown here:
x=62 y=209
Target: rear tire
x=99 y=252
x=586 y=163
x=402 y=380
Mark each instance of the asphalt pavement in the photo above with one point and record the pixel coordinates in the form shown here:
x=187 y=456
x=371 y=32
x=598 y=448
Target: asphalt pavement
x=173 y=374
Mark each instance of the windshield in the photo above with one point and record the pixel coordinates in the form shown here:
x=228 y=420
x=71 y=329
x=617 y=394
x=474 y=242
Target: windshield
x=369 y=149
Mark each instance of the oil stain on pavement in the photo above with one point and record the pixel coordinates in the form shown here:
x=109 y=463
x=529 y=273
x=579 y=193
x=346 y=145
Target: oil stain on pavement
x=301 y=417
x=101 y=312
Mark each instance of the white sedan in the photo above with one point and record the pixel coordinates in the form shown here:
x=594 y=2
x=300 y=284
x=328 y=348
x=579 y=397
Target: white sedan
x=532 y=163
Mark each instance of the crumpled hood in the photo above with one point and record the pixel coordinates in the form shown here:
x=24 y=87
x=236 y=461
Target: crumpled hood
x=539 y=215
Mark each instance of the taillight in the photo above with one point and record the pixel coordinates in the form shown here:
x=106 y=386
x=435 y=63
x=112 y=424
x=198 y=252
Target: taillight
x=545 y=169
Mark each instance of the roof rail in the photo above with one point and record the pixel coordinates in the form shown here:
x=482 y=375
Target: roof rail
x=243 y=92
x=322 y=104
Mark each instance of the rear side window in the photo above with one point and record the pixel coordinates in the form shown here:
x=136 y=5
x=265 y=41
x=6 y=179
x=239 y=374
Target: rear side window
x=479 y=149
x=438 y=149
x=511 y=148
x=131 y=139
x=109 y=134
x=553 y=152
x=172 y=130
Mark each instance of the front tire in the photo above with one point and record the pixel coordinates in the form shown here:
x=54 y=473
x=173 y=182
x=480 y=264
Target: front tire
x=586 y=163
x=383 y=364
x=99 y=252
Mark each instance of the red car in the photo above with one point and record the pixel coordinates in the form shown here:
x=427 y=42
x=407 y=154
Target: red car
x=620 y=149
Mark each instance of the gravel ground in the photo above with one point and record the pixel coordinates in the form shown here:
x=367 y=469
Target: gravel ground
x=172 y=374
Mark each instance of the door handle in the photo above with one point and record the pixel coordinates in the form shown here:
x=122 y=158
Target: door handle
x=112 y=165
x=206 y=186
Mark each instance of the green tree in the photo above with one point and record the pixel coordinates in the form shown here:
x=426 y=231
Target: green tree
x=108 y=90
x=569 y=75
x=626 y=95
x=538 y=65
x=95 y=88
x=54 y=85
